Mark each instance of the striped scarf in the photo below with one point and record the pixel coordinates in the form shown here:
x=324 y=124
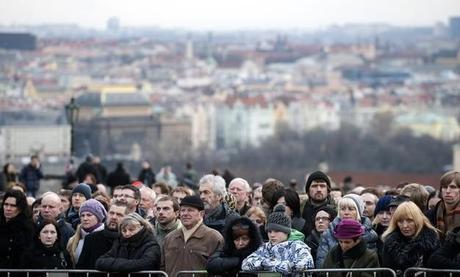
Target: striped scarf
x=446 y=221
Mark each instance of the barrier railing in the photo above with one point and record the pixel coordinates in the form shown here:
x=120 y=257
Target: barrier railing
x=192 y=273
x=87 y=273
x=380 y=271
x=421 y=271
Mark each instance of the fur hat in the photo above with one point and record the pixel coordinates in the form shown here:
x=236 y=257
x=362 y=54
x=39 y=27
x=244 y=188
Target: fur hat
x=278 y=220
x=95 y=207
x=83 y=189
x=358 y=201
x=348 y=229
x=317 y=175
x=192 y=201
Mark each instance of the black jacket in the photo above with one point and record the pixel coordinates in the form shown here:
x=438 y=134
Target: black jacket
x=400 y=252
x=313 y=242
x=96 y=244
x=16 y=236
x=220 y=217
x=227 y=262
x=137 y=253
x=448 y=255
x=41 y=257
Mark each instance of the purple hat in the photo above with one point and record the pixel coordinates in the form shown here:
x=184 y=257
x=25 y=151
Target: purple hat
x=348 y=229
x=95 y=207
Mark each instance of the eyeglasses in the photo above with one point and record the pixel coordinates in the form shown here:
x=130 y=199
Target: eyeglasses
x=322 y=218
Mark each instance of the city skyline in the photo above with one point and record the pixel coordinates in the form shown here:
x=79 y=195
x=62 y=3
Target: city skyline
x=228 y=15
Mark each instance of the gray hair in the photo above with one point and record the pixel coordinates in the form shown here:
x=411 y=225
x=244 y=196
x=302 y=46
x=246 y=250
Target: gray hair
x=245 y=183
x=217 y=182
x=134 y=218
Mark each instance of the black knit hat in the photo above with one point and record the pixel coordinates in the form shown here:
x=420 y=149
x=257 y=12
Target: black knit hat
x=278 y=220
x=83 y=189
x=192 y=201
x=317 y=175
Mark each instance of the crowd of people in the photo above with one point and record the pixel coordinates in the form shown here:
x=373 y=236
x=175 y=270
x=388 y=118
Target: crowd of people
x=157 y=222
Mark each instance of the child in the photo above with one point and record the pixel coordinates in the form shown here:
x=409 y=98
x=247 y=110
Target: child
x=279 y=254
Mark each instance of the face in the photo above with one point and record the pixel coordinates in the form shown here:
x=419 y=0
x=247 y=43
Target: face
x=65 y=203
x=48 y=235
x=318 y=191
x=257 y=197
x=127 y=196
x=322 y=220
x=10 y=209
x=348 y=212
x=50 y=207
x=407 y=227
x=347 y=244
x=451 y=194
x=179 y=195
x=384 y=217
x=369 y=204
x=34 y=162
x=116 y=195
x=209 y=198
x=165 y=212
x=88 y=220
x=238 y=190
x=276 y=237
x=77 y=200
x=146 y=200
x=256 y=219
x=11 y=168
x=114 y=216
x=190 y=216
x=241 y=242
x=130 y=230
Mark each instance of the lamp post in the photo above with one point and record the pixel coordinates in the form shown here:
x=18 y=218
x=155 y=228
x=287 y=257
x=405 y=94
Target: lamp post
x=71 y=111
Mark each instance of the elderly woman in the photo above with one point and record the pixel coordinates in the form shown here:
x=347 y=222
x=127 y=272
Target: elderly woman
x=135 y=250
x=92 y=216
x=409 y=240
x=351 y=206
x=16 y=228
x=242 y=238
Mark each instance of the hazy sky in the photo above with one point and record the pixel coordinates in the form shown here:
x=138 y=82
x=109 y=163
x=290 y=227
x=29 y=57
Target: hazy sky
x=230 y=14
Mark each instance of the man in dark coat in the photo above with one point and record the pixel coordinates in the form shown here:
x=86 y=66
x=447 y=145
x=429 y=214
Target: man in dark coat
x=30 y=176
x=98 y=243
x=318 y=187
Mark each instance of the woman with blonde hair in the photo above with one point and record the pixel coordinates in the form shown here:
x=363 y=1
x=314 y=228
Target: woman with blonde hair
x=135 y=250
x=409 y=240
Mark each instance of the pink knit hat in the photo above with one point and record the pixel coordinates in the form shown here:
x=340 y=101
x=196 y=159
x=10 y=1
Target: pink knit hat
x=348 y=229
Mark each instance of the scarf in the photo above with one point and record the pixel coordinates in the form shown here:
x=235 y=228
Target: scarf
x=447 y=220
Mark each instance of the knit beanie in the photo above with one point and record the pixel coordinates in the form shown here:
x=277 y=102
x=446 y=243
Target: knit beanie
x=95 y=207
x=317 y=175
x=331 y=211
x=192 y=201
x=83 y=189
x=358 y=201
x=348 y=229
x=278 y=220
x=383 y=204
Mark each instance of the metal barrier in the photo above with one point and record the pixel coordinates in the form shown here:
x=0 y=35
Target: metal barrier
x=421 y=271
x=87 y=273
x=193 y=273
x=349 y=271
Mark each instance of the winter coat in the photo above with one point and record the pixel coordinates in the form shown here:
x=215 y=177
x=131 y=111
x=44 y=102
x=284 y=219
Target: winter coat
x=147 y=177
x=137 y=253
x=30 y=176
x=313 y=242
x=227 y=262
x=193 y=254
x=287 y=257
x=219 y=217
x=73 y=217
x=448 y=255
x=357 y=257
x=328 y=240
x=296 y=235
x=96 y=244
x=379 y=229
x=119 y=177
x=400 y=252
x=41 y=257
x=76 y=242
x=16 y=236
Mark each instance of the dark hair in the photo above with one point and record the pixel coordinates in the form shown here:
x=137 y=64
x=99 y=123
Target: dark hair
x=373 y=191
x=293 y=202
x=165 y=189
x=42 y=225
x=21 y=203
x=172 y=199
x=137 y=192
x=269 y=188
